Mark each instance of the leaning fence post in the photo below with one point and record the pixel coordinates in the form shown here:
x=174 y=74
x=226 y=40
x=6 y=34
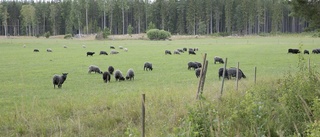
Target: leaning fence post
x=202 y=75
x=143 y=116
x=237 y=76
x=223 y=74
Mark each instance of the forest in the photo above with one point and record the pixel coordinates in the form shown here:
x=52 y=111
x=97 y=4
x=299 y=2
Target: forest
x=184 y=17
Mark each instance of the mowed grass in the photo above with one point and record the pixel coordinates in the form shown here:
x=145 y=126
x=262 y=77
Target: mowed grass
x=86 y=106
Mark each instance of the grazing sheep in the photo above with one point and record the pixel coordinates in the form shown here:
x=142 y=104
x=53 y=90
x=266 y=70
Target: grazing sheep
x=114 y=52
x=125 y=49
x=232 y=72
x=294 y=51
x=218 y=59
x=103 y=53
x=193 y=65
x=106 y=76
x=112 y=47
x=83 y=46
x=199 y=64
x=118 y=75
x=198 y=71
x=184 y=49
x=24 y=46
x=167 y=52
x=176 y=52
x=59 y=79
x=195 y=49
x=220 y=73
x=95 y=69
x=90 y=53
x=120 y=47
x=315 y=51
x=64 y=46
x=180 y=50
x=110 y=69
x=130 y=74
x=49 y=50
x=147 y=66
x=192 y=52
x=36 y=50
x=306 y=51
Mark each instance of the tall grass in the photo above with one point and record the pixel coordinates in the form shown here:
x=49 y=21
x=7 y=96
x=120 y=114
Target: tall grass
x=285 y=107
x=86 y=106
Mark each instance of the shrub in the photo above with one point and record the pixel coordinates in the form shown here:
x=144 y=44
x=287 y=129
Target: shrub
x=47 y=34
x=106 y=32
x=151 y=26
x=67 y=36
x=156 y=34
x=130 y=29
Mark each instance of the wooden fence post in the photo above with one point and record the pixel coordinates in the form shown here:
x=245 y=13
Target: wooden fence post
x=237 y=75
x=202 y=75
x=223 y=73
x=143 y=116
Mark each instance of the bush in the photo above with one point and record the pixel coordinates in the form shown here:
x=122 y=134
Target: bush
x=47 y=34
x=106 y=32
x=156 y=34
x=67 y=36
x=130 y=29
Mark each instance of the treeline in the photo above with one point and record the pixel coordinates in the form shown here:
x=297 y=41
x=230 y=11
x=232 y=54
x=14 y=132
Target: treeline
x=195 y=17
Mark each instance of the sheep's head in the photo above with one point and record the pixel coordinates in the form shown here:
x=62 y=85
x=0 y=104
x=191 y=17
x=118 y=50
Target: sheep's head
x=121 y=78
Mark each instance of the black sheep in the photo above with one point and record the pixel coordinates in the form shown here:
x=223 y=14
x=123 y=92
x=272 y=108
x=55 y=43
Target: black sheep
x=147 y=66
x=167 y=52
x=220 y=73
x=232 y=72
x=35 y=50
x=130 y=74
x=193 y=65
x=315 y=51
x=90 y=53
x=218 y=59
x=184 y=49
x=110 y=69
x=59 y=79
x=103 y=53
x=192 y=52
x=306 y=51
x=112 y=47
x=118 y=76
x=106 y=76
x=294 y=51
x=197 y=72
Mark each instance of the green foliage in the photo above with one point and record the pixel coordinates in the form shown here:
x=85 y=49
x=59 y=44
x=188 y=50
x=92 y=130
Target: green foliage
x=47 y=34
x=156 y=34
x=106 y=32
x=67 y=36
x=202 y=28
x=151 y=26
x=130 y=29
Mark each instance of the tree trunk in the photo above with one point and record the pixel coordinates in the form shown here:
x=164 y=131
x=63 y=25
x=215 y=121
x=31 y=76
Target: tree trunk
x=122 y=20
x=87 y=20
x=139 y=23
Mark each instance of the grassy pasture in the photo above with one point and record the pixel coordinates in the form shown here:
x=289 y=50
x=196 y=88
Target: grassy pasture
x=86 y=106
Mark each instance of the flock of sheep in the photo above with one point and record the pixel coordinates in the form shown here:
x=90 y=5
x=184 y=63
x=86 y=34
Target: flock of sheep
x=106 y=75
x=296 y=51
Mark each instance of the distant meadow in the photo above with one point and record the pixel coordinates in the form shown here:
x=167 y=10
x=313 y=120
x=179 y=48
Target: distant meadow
x=86 y=106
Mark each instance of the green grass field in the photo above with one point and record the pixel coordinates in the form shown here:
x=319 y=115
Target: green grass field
x=86 y=106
